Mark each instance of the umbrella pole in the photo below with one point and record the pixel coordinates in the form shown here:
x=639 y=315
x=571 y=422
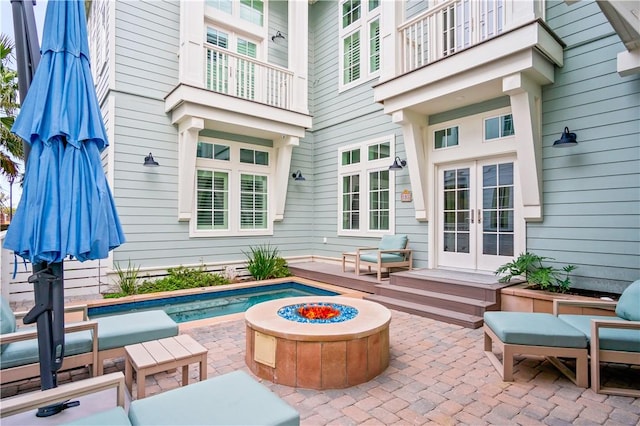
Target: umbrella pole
x=48 y=313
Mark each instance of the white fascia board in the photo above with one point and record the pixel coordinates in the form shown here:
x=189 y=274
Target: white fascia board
x=485 y=80
x=188 y=100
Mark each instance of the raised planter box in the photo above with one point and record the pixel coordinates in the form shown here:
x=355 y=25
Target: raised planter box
x=519 y=298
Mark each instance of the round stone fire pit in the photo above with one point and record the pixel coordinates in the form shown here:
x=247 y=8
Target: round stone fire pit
x=317 y=342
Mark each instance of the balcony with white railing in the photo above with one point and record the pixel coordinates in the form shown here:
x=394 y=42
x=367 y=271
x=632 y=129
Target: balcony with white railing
x=457 y=38
x=449 y=27
x=247 y=78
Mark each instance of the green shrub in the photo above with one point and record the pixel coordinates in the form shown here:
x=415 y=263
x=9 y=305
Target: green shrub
x=181 y=278
x=127 y=280
x=530 y=266
x=264 y=262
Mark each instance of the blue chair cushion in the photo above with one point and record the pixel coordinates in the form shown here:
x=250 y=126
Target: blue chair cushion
x=7 y=320
x=628 y=306
x=231 y=399
x=389 y=242
x=26 y=351
x=610 y=338
x=384 y=258
x=534 y=329
x=117 y=331
x=113 y=417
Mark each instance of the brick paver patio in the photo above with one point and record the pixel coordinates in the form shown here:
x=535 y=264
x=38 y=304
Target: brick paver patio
x=438 y=375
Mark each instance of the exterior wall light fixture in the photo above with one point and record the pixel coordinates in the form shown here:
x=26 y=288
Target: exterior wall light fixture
x=566 y=140
x=277 y=36
x=150 y=162
x=298 y=176
x=398 y=164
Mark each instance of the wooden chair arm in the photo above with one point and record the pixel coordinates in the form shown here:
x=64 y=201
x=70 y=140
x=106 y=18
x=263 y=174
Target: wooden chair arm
x=67 y=309
x=33 y=400
x=601 y=304
x=32 y=333
x=620 y=324
x=359 y=249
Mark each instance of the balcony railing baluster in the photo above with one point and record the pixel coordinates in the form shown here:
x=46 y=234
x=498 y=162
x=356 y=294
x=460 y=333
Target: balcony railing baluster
x=247 y=78
x=449 y=27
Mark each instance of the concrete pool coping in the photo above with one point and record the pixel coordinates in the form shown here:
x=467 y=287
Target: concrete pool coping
x=207 y=290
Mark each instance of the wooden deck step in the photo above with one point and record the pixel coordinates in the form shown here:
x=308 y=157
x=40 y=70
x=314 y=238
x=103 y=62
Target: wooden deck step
x=436 y=299
x=439 y=314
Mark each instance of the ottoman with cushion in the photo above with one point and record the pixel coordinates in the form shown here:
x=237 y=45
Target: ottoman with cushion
x=540 y=334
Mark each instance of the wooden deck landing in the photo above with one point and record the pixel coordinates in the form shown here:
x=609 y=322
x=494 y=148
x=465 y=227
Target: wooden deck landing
x=457 y=297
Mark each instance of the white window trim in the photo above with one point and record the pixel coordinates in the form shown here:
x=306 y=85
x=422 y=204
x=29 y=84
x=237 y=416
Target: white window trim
x=362 y=24
x=499 y=138
x=232 y=22
x=235 y=168
x=363 y=168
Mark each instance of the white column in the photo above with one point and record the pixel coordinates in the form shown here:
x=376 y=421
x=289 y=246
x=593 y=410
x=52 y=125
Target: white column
x=391 y=16
x=284 y=149
x=191 y=52
x=414 y=144
x=525 y=97
x=188 y=131
x=298 y=39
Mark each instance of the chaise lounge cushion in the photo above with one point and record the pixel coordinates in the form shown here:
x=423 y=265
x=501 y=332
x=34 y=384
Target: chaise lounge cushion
x=26 y=351
x=610 y=338
x=534 y=329
x=231 y=399
x=628 y=306
x=117 y=331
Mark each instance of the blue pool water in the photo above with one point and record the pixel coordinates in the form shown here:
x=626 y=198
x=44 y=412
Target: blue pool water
x=208 y=305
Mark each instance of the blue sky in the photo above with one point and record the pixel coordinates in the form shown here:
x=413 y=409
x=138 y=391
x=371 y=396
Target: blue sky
x=6 y=27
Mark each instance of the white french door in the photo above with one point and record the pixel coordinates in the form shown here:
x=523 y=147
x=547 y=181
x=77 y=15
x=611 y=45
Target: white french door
x=477 y=214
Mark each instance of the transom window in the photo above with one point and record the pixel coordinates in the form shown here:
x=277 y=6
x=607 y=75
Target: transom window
x=366 y=188
x=498 y=127
x=248 y=10
x=445 y=138
x=359 y=41
x=232 y=189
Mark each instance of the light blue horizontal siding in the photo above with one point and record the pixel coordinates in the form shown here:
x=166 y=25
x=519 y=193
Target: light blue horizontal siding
x=591 y=191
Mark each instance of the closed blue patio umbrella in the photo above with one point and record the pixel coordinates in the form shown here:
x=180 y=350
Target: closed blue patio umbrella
x=66 y=209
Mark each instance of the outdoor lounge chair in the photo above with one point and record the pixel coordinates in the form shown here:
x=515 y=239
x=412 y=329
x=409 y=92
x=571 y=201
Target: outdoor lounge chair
x=392 y=252
x=230 y=399
x=612 y=339
x=87 y=343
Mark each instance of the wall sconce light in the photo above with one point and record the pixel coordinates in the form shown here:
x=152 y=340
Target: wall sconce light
x=566 y=140
x=298 y=175
x=278 y=35
x=398 y=164
x=150 y=162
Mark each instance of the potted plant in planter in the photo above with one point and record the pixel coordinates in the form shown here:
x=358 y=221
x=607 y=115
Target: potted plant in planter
x=529 y=266
x=543 y=284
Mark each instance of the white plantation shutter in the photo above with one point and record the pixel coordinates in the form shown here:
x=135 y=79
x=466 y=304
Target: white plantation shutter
x=374 y=46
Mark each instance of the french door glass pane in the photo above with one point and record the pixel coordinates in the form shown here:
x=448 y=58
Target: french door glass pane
x=456 y=210
x=498 y=209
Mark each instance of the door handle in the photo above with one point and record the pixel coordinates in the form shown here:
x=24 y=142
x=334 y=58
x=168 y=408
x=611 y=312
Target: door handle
x=479 y=215
x=471 y=220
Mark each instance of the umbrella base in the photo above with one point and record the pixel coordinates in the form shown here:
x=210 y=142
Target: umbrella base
x=51 y=410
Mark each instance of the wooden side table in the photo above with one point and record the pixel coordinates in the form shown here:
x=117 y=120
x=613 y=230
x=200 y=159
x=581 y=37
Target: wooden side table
x=161 y=355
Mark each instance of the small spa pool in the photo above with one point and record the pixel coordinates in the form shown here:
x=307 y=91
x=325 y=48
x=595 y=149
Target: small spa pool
x=198 y=306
